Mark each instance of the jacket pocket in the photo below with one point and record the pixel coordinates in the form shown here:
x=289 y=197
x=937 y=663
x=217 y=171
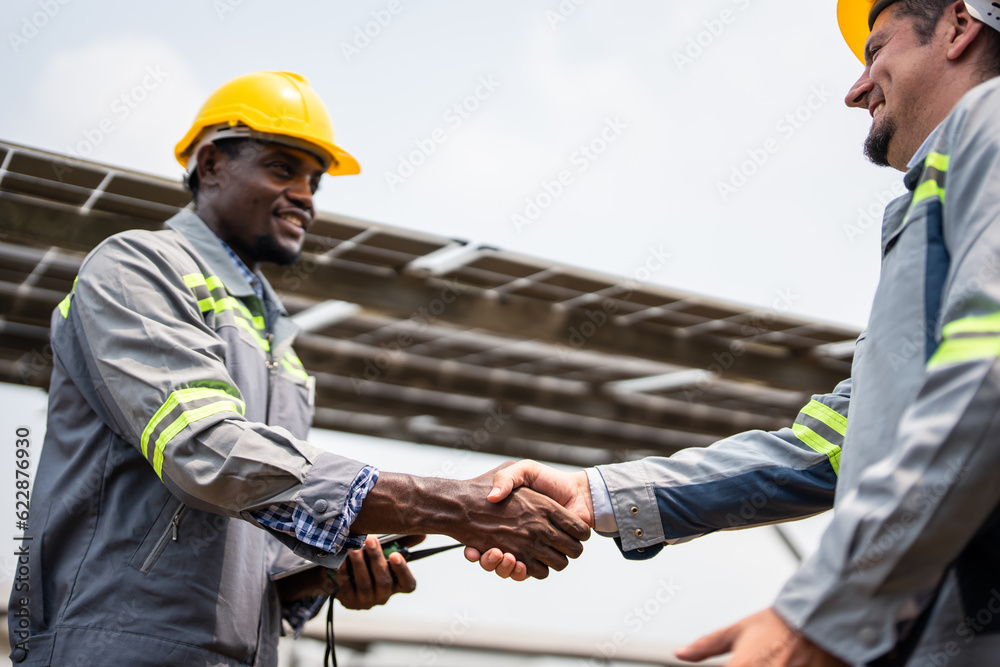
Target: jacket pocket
x=163 y=531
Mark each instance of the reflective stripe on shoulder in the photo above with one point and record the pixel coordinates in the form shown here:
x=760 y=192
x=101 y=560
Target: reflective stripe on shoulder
x=213 y=298
x=291 y=363
x=968 y=339
x=64 y=304
x=932 y=181
x=183 y=408
x=822 y=429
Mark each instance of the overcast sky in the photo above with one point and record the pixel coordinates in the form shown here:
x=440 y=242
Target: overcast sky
x=587 y=132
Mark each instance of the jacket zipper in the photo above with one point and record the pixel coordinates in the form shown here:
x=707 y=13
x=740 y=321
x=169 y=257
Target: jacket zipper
x=271 y=366
x=170 y=534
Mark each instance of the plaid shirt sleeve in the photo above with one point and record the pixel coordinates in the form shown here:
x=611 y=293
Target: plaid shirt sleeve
x=331 y=536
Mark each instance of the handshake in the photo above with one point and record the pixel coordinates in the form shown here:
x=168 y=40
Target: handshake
x=517 y=520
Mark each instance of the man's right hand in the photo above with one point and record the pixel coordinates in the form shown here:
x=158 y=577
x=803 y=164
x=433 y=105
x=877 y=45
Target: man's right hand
x=533 y=528
x=571 y=490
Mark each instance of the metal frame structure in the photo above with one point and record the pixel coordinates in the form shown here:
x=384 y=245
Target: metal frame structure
x=435 y=340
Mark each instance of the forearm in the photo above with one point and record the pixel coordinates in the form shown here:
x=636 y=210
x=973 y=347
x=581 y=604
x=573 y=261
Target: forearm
x=410 y=505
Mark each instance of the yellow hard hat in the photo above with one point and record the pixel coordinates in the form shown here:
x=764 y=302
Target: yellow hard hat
x=280 y=107
x=856 y=18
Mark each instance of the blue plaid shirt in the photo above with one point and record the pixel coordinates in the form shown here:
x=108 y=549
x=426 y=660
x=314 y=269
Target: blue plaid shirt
x=333 y=535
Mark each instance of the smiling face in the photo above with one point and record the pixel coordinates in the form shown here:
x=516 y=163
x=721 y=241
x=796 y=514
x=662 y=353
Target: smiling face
x=898 y=88
x=259 y=200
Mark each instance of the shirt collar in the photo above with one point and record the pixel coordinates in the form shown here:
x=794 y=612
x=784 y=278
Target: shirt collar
x=244 y=270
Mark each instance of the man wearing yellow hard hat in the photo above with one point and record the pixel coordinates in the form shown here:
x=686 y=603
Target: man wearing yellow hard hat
x=906 y=451
x=185 y=511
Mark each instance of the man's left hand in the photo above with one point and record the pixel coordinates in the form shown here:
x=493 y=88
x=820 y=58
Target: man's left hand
x=761 y=640
x=367 y=579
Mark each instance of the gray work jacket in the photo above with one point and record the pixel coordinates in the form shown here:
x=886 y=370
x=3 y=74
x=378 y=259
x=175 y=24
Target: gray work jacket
x=174 y=412
x=909 y=569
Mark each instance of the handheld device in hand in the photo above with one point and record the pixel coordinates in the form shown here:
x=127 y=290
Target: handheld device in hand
x=392 y=544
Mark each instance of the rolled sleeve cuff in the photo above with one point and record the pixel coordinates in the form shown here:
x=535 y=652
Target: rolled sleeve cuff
x=327 y=538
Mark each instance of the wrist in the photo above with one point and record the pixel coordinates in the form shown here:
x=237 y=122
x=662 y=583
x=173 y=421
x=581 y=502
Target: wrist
x=582 y=481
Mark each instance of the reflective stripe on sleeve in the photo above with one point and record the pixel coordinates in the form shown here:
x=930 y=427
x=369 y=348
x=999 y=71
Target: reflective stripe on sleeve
x=822 y=429
x=968 y=339
x=181 y=409
x=819 y=444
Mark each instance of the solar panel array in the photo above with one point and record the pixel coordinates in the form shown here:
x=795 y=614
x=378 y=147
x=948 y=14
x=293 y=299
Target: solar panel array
x=436 y=340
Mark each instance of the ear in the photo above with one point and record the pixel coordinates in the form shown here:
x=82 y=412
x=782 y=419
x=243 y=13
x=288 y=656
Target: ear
x=962 y=30
x=211 y=163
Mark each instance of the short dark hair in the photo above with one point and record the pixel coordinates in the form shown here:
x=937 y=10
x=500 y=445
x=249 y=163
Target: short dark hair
x=927 y=13
x=231 y=147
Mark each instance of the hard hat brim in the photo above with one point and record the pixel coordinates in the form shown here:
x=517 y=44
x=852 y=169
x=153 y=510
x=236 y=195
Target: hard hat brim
x=341 y=163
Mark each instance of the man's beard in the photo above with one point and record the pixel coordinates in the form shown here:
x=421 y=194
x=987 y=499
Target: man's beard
x=877 y=143
x=267 y=249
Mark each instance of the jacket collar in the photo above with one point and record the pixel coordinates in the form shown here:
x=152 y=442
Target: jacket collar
x=191 y=227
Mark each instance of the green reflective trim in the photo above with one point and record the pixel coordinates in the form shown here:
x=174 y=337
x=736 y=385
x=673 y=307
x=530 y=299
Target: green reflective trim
x=978 y=324
x=213 y=283
x=291 y=368
x=225 y=303
x=266 y=346
x=183 y=421
x=827 y=415
x=928 y=190
x=252 y=324
x=937 y=161
x=193 y=280
x=960 y=350
x=64 y=304
x=184 y=396
x=819 y=444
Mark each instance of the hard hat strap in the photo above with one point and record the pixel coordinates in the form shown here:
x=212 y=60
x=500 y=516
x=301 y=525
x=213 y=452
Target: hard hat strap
x=985 y=12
